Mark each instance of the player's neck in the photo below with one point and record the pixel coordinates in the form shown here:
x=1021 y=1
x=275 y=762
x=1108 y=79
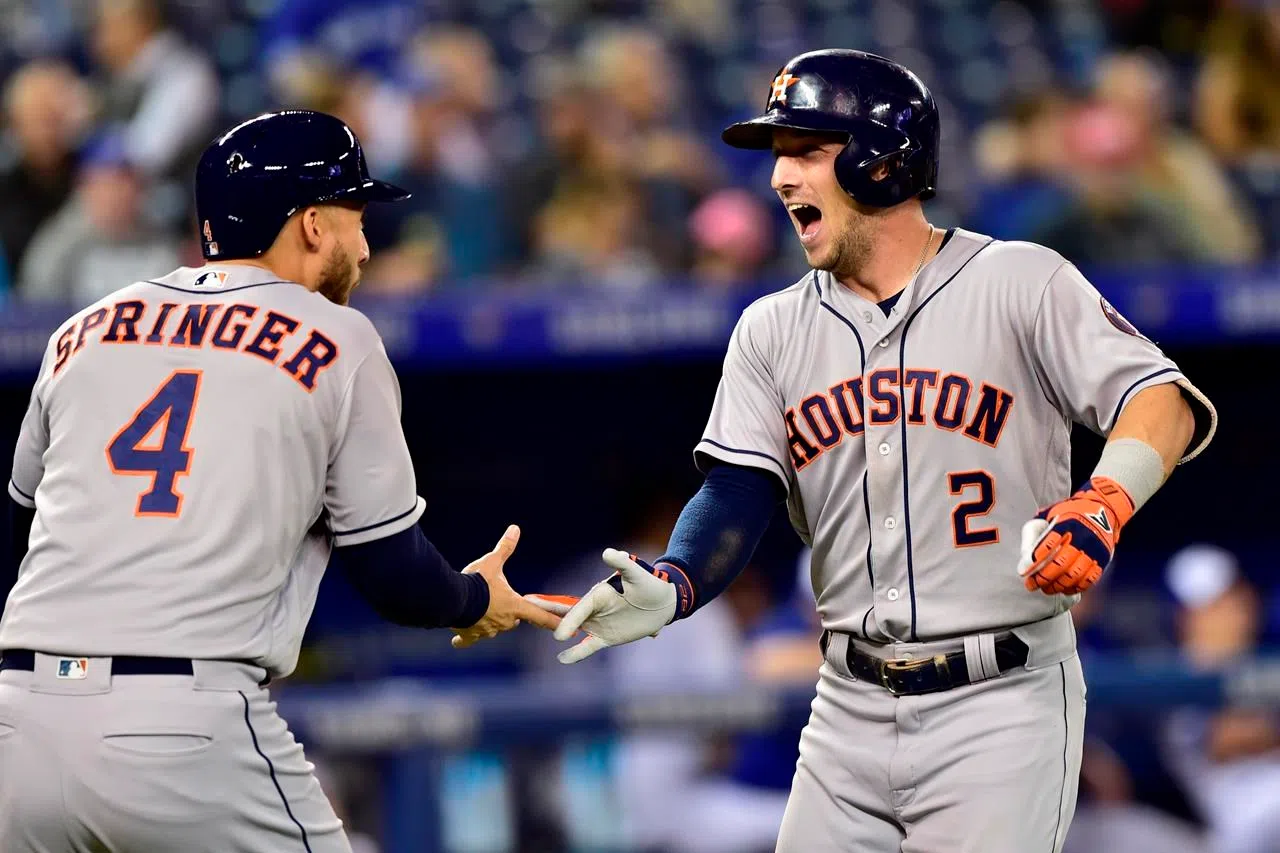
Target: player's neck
x=898 y=251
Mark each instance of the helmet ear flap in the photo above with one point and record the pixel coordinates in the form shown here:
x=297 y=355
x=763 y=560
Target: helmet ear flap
x=881 y=181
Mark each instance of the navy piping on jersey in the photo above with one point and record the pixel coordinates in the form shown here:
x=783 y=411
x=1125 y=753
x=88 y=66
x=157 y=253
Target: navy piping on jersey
x=1124 y=398
x=379 y=524
x=1066 y=745
x=750 y=453
x=225 y=290
x=906 y=477
x=271 y=768
x=864 y=620
x=862 y=368
x=18 y=489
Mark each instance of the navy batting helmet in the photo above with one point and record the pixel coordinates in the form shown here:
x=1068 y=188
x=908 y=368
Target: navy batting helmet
x=255 y=176
x=887 y=112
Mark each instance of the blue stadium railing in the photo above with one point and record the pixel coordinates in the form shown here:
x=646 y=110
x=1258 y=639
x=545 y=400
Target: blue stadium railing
x=460 y=328
x=414 y=724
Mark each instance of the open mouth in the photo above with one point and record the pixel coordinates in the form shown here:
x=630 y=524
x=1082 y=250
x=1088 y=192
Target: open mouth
x=808 y=220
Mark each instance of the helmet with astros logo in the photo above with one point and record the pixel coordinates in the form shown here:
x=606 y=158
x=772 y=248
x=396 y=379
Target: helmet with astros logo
x=887 y=112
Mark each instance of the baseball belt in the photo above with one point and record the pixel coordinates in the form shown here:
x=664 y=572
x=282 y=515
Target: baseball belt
x=25 y=660
x=916 y=676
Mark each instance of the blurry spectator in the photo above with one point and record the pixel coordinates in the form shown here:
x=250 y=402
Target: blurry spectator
x=1228 y=760
x=101 y=236
x=732 y=238
x=161 y=90
x=45 y=106
x=1114 y=218
x=454 y=223
x=1022 y=159
x=639 y=84
x=591 y=232
x=1175 y=168
x=1237 y=107
x=571 y=146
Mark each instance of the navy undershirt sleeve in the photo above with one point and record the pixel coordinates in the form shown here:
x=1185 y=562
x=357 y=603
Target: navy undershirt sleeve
x=718 y=531
x=17 y=533
x=408 y=582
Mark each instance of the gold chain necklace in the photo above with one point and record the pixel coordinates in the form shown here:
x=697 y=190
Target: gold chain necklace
x=928 y=241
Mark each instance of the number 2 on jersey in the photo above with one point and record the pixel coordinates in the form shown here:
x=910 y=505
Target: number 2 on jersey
x=959 y=482
x=154 y=443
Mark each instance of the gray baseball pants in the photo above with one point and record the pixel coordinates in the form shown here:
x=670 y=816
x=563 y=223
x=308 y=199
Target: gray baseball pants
x=91 y=763
x=990 y=767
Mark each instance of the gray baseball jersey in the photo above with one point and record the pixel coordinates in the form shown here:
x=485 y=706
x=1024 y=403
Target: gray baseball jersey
x=193 y=449
x=914 y=446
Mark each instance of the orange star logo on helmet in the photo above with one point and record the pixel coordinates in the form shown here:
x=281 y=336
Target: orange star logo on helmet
x=778 y=92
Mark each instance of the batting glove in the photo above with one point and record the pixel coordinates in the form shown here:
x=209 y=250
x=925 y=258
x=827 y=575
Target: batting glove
x=1066 y=547
x=635 y=602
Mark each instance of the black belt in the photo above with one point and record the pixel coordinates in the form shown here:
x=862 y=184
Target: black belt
x=903 y=677
x=25 y=660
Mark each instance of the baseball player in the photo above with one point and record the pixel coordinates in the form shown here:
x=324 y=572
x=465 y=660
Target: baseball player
x=195 y=449
x=911 y=399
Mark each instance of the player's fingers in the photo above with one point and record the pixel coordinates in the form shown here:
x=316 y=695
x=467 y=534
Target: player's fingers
x=535 y=615
x=1092 y=576
x=1046 y=561
x=581 y=651
x=1069 y=581
x=557 y=604
x=507 y=544
x=1050 y=566
x=579 y=613
x=620 y=561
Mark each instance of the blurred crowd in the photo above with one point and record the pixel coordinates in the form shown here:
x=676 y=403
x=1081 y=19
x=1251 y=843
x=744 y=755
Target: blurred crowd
x=574 y=144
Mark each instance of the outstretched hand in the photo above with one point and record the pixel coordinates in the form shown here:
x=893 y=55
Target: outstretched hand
x=635 y=602
x=507 y=608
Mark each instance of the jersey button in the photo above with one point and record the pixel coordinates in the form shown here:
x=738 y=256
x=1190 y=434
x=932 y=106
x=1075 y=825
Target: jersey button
x=890 y=523
x=892 y=594
x=866 y=315
x=884 y=343
x=885 y=448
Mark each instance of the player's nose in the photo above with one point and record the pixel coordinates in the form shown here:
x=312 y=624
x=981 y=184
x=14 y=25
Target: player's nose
x=786 y=174
x=364 y=249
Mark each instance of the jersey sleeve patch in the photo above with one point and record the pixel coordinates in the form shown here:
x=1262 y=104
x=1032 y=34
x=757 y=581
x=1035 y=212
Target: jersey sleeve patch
x=1117 y=319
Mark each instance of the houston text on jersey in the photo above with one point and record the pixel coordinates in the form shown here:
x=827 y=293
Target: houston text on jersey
x=950 y=401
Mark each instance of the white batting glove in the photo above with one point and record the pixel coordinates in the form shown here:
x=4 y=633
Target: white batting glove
x=1032 y=532
x=646 y=604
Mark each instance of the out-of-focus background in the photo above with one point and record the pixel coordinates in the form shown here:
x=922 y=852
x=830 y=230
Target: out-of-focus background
x=557 y=296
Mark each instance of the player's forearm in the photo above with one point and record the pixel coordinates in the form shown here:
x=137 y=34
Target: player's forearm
x=407 y=581
x=717 y=533
x=1160 y=418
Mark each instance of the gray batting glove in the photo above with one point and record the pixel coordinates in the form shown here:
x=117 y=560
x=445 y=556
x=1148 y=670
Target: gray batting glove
x=646 y=604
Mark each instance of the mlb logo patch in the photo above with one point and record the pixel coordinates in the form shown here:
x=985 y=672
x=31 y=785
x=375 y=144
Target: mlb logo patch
x=213 y=278
x=75 y=668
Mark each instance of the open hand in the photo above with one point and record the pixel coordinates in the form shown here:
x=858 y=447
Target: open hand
x=506 y=607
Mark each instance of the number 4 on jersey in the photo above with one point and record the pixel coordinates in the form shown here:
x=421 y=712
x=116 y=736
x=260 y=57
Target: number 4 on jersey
x=154 y=443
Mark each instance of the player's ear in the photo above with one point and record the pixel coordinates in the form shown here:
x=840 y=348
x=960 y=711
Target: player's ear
x=312 y=225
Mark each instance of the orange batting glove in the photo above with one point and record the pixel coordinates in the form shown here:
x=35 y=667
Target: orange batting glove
x=1066 y=546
